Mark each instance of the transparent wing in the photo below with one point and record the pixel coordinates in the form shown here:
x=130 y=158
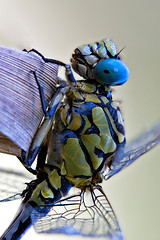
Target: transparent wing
x=126 y=155
x=11 y=183
x=87 y=213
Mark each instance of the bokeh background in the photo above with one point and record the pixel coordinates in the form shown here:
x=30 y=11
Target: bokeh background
x=55 y=28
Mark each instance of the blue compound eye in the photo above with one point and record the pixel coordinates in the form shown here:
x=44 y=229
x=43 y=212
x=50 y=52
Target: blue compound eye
x=111 y=72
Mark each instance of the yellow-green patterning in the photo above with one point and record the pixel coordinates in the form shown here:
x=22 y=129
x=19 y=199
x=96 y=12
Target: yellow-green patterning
x=88 y=131
x=81 y=131
x=88 y=125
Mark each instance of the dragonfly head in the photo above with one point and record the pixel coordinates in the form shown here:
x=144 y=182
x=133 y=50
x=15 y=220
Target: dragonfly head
x=99 y=61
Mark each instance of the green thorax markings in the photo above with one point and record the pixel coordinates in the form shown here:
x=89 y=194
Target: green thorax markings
x=89 y=130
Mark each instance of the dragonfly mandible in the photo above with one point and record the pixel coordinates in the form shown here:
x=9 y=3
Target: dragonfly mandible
x=80 y=142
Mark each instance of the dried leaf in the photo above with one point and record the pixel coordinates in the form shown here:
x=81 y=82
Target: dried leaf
x=20 y=106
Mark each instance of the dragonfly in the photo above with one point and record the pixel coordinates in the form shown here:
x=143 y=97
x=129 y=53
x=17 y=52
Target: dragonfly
x=80 y=142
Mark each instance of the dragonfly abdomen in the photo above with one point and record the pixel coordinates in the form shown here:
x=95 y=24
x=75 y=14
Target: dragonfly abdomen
x=20 y=224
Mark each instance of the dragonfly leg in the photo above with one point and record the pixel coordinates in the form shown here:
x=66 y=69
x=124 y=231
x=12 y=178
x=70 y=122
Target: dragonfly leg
x=41 y=93
x=69 y=75
x=42 y=133
x=47 y=60
x=23 y=159
x=49 y=111
x=27 y=161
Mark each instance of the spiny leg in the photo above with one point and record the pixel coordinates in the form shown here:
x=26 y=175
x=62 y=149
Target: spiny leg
x=48 y=112
x=47 y=60
x=41 y=135
x=41 y=93
x=23 y=159
x=27 y=161
x=69 y=75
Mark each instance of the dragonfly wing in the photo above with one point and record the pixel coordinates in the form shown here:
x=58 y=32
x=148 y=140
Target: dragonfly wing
x=12 y=182
x=87 y=213
x=124 y=156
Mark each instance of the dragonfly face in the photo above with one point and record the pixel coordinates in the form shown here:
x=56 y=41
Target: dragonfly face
x=75 y=144
x=99 y=61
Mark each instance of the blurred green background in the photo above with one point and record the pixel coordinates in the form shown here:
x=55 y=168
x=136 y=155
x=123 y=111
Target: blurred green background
x=55 y=28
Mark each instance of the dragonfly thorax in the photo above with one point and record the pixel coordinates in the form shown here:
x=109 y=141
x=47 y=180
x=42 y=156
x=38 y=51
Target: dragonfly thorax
x=88 y=128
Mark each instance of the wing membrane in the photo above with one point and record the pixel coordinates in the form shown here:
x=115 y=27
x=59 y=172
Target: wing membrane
x=87 y=214
x=12 y=182
x=129 y=153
